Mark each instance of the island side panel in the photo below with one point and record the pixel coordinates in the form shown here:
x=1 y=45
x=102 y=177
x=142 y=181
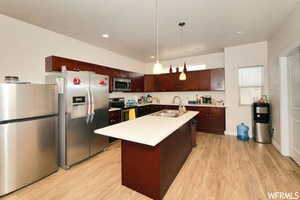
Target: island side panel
x=141 y=168
x=174 y=151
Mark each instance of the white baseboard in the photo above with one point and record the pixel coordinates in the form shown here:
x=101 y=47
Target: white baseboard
x=276 y=145
x=229 y=133
x=234 y=134
x=295 y=155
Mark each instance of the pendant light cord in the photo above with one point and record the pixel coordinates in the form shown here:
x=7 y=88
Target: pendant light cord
x=156 y=28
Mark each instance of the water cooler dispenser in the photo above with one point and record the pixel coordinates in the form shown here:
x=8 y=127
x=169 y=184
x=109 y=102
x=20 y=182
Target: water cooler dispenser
x=261 y=122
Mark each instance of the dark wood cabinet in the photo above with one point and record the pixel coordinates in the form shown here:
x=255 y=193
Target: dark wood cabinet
x=143 y=110
x=149 y=83
x=114 y=117
x=202 y=80
x=197 y=81
x=210 y=119
x=55 y=63
x=137 y=84
x=217 y=79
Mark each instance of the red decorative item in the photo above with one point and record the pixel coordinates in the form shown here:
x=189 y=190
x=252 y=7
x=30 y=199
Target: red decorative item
x=103 y=83
x=184 y=67
x=170 y=69
x=76 y=81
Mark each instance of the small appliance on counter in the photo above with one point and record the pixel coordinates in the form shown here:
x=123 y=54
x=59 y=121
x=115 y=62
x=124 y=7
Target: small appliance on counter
x=28 y=132
x=117 y=102
x=261 y=122
x=207 y=100
x=149 y=98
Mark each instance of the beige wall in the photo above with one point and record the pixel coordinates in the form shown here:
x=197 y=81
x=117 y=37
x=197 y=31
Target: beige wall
x=215 y=60
x=284 y=40
x=235 y=57
x=23 y=48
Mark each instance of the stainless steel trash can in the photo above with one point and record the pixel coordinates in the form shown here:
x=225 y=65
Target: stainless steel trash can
x=261 y=123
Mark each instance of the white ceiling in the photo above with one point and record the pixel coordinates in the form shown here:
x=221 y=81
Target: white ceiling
x=211 y=24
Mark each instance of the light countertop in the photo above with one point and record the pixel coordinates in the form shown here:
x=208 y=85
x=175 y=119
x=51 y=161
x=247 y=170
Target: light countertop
x=148 y=130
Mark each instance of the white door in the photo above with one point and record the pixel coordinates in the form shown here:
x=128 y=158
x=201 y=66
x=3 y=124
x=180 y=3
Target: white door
x=294 y=104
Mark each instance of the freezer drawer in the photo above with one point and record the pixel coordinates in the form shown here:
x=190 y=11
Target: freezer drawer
x=28 y=152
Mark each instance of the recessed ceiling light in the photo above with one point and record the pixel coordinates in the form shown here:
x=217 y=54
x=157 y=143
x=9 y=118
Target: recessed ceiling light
x=105 y=35
x=152 y=57
x=239 y=32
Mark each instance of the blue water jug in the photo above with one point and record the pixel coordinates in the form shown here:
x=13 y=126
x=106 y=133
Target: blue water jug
x=242 y=132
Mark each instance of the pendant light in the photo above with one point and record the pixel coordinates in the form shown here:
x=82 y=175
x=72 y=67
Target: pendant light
x=182 y=75
x=157 y=68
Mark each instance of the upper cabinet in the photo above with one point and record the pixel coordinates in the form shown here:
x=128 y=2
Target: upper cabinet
x=202 y=80
x=217 y=79
x=149 y=83
x=137 y=84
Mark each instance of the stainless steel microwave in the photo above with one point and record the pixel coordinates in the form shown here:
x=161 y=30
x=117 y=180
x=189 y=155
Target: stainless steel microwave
x=121 y=84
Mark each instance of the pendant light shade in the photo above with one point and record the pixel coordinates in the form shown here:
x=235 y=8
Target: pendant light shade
x=157 y=68
x=182 y=76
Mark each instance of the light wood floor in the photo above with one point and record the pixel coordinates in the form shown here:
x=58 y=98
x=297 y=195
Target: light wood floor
x=220 y=167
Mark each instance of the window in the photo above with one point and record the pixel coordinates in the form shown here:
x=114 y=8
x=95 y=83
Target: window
x=165 y=70
x=251 y=81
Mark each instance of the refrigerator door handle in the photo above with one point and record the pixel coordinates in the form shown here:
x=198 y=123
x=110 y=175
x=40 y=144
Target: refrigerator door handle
x=92 y=106
x=88 y=106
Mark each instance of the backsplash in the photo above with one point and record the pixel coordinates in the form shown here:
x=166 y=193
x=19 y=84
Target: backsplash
x=167 y=97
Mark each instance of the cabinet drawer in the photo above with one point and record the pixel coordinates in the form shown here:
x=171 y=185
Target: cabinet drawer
x=114 y=117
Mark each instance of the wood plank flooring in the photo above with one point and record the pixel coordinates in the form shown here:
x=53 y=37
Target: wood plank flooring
x=219 y=168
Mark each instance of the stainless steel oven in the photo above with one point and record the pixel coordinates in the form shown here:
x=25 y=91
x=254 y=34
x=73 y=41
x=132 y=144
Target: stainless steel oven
x=121 y=84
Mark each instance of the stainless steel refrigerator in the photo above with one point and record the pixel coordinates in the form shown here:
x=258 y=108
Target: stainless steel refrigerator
x=28 y=134
x=83 y=107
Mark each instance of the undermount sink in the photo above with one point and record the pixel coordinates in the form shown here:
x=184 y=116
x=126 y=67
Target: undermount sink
x=168 y=113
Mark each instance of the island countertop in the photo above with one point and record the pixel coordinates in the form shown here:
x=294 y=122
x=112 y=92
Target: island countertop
x=148 y=130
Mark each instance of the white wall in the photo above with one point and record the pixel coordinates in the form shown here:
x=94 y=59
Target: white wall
x=235 y=57
x=23 y=48
x=284 y=40
x=215 y=60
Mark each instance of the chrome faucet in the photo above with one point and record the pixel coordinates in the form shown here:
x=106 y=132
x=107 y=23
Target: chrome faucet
x=177 y=97
x=181 y=108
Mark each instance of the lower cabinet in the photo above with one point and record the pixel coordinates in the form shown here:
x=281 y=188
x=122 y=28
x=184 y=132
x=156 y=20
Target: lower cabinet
x=114 y=117
x=209 y=119
x=144 y=110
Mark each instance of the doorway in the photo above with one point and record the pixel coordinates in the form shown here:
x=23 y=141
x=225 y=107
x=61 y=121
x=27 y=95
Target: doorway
x=293 y=64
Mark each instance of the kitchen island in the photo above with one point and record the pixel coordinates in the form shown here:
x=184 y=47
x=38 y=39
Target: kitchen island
x=154 y=148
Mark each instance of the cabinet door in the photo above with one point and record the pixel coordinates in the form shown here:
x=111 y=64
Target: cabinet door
x=217 y=79
x=114 y=117
x=163 y=83
x=197 y=81
x=217 y=118
x=137 y=84
x=204 y=122
x=149 y=83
